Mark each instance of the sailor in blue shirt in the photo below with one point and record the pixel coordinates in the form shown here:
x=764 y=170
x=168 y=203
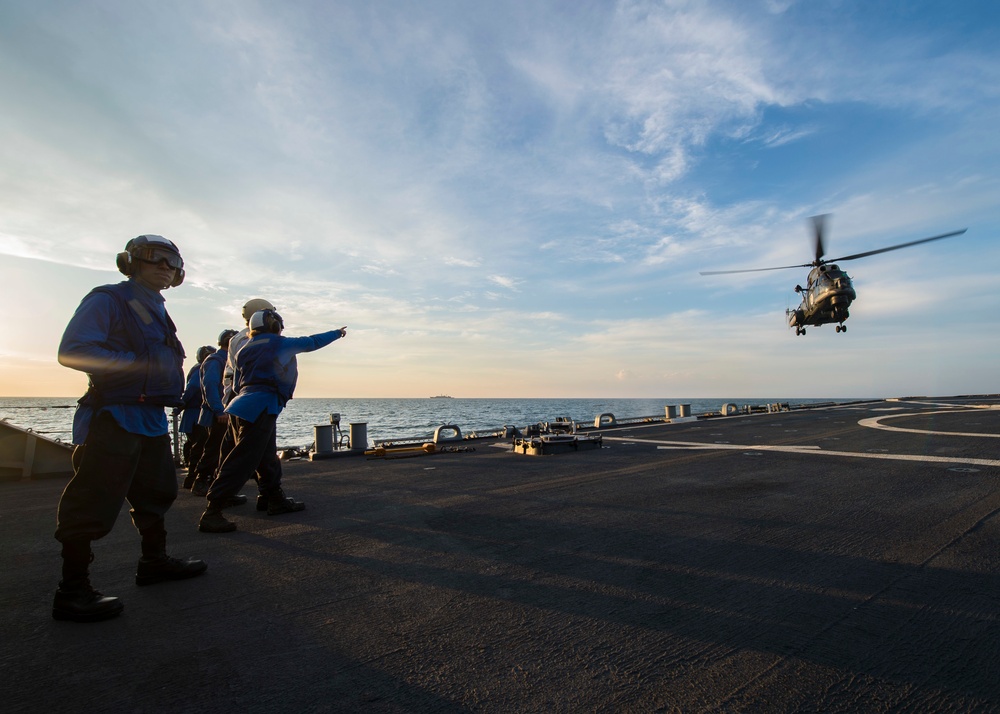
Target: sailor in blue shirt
x=196 y=436
x=213 y=417
x=266 y=372
x=123 y=338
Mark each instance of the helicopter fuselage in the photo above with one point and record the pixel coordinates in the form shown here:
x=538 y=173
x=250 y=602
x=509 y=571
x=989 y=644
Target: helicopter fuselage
x=826 y=299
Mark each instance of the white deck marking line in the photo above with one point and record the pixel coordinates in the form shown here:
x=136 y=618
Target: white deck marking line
x=812 y=450
x=873 y=423
x=957 y=407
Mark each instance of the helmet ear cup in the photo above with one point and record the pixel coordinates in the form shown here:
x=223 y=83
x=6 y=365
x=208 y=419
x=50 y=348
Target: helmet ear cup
x=124 y=262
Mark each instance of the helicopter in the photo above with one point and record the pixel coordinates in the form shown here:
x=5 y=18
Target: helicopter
x=829 y=292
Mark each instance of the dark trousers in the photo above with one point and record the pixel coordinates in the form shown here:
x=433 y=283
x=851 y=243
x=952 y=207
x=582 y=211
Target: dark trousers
x=228 y=442
x=255 y=450
x=113 y=466
x=196 y=443
x=208 y=464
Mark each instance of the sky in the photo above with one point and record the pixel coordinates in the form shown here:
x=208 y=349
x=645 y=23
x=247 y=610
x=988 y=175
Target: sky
x=515 y=199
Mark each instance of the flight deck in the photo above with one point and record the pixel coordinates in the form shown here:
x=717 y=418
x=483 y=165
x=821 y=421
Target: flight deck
x=838 y=558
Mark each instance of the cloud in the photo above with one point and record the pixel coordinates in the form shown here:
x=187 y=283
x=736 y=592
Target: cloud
x=461 y=262
x=679 y=73
x=786 y=135
x=504 y=281
x=414 y=172
x=377 y=269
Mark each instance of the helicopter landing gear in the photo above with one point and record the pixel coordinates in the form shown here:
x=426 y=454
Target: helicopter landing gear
x=800 y=331
x=841 y=328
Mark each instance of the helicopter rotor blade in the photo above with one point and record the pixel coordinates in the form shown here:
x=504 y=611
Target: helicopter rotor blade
x=753 y=270
x=896 y=247
x=819 y=228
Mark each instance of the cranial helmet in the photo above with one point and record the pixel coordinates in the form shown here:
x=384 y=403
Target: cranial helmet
x=224 y=338
x=266 y=321
x=203 y=352
x=151 y=248
x=253 y=306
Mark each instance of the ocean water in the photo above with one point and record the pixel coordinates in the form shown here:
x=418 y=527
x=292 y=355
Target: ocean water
x=402 y=419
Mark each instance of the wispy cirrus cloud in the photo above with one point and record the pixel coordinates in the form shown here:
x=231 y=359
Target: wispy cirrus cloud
x=504 y=281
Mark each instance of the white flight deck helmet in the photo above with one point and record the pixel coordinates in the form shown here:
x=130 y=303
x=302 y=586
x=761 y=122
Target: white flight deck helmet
x=253 y=306
x=266 y=321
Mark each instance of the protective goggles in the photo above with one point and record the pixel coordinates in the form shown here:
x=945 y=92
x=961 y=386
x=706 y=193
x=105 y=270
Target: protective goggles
x=155 y=255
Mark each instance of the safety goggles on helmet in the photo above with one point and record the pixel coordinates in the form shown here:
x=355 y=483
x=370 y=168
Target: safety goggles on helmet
x=151 y=249
x=155 y=254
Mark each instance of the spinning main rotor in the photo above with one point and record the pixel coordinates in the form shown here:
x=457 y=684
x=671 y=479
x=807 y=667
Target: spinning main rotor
x=819 y=229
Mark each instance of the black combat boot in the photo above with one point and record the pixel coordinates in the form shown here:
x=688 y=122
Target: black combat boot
x=155 y=566
x=261 y=502
x=278 y=503
x=75 y=599
x=212 y=521
x=188 y=479
x=200 y=488
x=237 y=500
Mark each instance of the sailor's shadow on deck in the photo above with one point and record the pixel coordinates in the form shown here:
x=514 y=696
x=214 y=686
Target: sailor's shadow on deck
x=911 y=624
x=260 y=660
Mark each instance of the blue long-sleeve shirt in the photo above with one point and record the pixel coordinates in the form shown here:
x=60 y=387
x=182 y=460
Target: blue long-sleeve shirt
x=252 y=400
x=211 y=387
x=94 y=342
x=191 y=399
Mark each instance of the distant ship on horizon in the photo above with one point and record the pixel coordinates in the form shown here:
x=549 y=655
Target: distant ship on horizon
x=442 y=396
